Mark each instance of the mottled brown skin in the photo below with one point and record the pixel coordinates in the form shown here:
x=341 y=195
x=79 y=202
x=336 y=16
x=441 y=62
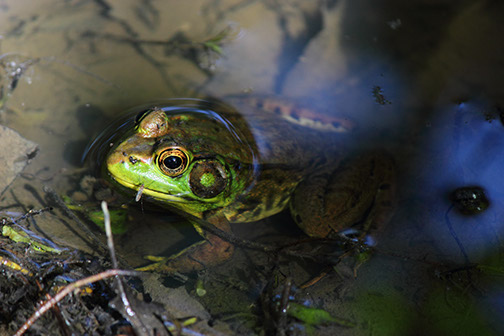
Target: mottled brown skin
x=271 y=161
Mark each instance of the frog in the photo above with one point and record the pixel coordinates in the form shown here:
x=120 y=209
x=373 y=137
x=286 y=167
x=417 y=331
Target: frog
x=247 y=158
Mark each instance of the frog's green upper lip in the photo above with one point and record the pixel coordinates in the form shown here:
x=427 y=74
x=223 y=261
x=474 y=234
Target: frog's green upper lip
x=150 y=192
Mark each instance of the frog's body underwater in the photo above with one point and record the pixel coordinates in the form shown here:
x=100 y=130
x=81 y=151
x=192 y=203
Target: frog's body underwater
x=206 y=159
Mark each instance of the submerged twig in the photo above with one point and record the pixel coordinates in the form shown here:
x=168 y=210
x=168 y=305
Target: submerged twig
x=15 y=69
x=32 y=213
x=266 y=248
x=455 y=236
x=90 y=235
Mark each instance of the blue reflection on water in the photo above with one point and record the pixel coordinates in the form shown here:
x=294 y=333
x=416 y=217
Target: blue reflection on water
x=464 y=147
x=494 y=303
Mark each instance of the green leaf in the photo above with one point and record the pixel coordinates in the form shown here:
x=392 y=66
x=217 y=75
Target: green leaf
x=28 y=237
x=118 y=220
x=315 y=316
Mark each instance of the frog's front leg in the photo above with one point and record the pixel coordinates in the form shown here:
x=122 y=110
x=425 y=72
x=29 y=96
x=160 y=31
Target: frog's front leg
x=206 y=253
x=358 y=194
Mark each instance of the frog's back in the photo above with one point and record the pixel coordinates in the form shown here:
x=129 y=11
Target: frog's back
x=283 y=134
x=286 y=152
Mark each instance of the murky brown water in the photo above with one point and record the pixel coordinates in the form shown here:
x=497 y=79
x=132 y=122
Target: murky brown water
x=438 y=65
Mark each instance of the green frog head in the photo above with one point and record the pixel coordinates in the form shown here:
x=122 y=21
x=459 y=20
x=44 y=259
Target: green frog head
x=189 y=158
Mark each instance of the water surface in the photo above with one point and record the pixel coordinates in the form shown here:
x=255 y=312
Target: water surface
x=422 y=79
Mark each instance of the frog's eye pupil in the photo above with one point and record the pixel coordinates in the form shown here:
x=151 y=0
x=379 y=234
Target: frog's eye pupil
x=172 y=162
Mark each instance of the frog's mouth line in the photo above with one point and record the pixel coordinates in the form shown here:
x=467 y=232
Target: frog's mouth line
x=150 y=192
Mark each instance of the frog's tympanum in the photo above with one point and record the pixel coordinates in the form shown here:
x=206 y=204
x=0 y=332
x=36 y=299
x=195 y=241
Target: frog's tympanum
x=208 y=160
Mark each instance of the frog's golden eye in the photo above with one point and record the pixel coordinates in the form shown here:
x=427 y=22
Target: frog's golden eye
x=172 y=161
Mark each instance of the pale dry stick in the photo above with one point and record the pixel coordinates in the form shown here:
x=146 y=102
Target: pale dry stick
x=139 y=327
x=67 y=290
x=108 y=232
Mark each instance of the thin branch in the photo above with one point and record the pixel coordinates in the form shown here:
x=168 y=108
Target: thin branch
x=137 y=323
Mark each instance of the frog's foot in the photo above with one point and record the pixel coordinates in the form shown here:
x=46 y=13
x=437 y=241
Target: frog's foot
x=359 y=194
x=206 y=253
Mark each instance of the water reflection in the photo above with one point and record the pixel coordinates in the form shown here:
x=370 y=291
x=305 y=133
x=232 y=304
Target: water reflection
x=463 y=149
